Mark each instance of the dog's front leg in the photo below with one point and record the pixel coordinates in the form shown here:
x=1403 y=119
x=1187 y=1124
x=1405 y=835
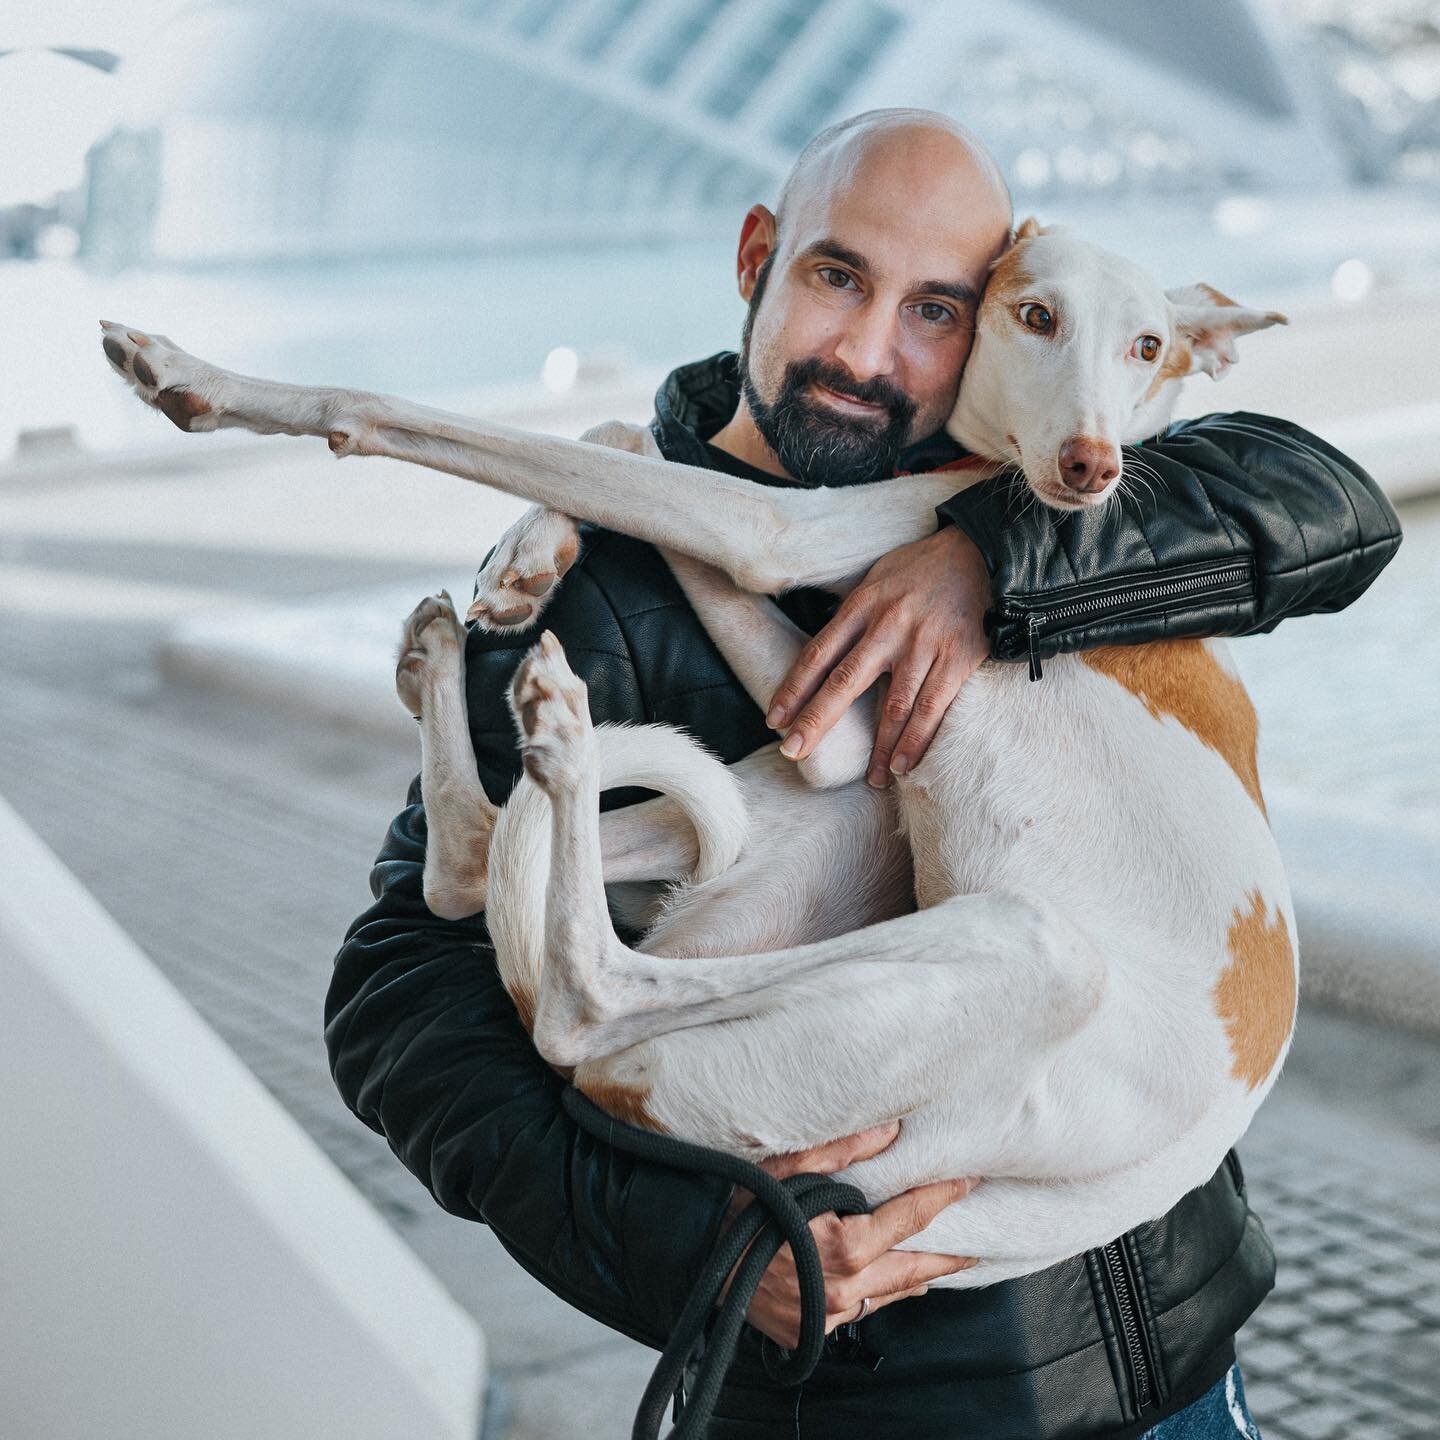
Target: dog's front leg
x=766 y=539
x=760 y=643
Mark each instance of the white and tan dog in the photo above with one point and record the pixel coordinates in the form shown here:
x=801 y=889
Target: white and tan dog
x=1099 y=986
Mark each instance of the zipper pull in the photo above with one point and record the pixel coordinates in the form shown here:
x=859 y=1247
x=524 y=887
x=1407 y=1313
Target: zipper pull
x=1032 y=628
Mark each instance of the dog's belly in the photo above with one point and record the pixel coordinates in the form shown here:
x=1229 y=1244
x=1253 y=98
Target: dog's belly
x=1155 y=844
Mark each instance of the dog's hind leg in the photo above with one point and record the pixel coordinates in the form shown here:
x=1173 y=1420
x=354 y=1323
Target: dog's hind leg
x=459 y=816
x=923 y=1001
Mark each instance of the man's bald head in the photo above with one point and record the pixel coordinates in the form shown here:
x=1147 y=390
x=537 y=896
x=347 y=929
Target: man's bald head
x=862 y=290
x=901 y=139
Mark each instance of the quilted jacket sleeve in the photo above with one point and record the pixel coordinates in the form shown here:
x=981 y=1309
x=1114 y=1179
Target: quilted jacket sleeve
x=426 y=1048
x=1233 y=523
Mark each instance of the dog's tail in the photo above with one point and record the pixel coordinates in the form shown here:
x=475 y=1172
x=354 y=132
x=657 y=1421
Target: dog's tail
x=652 y=757
x=660 y=757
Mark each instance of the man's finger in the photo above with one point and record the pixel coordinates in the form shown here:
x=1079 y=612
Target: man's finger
x=877 y=1302
x=891 y=1276
x=895 y=708
x=910 y=1212
x=941 y=686
x=836 y=1155
x=851 y=677
x=815 y=661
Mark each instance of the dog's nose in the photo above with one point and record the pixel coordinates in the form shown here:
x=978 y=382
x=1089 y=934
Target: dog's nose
x=1087 y=464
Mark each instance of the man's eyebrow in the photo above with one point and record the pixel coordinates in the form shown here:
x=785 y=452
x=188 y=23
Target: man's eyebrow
x=956 y=290
x=833 y=250
x=827 y=249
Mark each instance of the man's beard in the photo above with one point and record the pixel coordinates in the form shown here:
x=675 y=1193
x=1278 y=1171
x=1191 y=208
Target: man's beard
x=815 y=444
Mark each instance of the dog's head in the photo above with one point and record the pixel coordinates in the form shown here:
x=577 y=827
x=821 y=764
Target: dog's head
x=1078 y=352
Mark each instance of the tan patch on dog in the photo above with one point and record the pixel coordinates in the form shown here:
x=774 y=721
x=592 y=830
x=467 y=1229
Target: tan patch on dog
x=1216 y=297
x=628 y=1103
x=1009 y=278
x=1183 y=679
x=1255 y=995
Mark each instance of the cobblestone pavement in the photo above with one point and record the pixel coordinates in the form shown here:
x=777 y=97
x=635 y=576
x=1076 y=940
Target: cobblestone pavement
x=235 y=847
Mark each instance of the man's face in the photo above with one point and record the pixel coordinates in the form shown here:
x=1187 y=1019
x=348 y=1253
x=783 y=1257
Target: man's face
x=861 y=318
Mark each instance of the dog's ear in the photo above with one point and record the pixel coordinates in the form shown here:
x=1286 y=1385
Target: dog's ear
x=1028 y=230
x=1210 y=323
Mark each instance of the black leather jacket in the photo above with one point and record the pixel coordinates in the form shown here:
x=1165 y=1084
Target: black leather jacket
x=426 y=1048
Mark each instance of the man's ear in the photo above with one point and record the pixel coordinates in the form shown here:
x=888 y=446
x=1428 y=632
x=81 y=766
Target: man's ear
x=757 y=243
x=1209 y=322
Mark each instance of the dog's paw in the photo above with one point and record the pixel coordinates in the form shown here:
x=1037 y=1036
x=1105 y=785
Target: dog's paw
x=550 y=705
x=432 y=646
x=185 y=390
x=519 y=579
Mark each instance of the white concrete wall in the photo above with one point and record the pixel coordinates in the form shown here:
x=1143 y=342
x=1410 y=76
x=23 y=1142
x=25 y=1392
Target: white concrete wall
x=178 y=1261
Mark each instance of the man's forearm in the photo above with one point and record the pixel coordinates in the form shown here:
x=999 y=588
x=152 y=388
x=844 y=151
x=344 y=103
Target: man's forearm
x=1230 y=524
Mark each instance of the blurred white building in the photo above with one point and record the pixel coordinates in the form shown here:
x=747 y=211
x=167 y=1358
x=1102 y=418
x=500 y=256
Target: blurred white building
x=318 y=128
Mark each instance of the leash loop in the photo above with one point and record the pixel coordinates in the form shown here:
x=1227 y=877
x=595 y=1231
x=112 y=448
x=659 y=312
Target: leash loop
x=780 y=1214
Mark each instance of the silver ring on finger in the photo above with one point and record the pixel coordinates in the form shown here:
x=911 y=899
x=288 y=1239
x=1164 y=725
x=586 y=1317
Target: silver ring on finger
x=864 y=1311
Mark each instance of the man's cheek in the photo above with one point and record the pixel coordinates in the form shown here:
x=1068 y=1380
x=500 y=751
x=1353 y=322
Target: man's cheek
x=936 y=411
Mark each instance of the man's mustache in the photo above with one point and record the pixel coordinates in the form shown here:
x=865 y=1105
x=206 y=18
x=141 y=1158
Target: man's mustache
x=802 y=373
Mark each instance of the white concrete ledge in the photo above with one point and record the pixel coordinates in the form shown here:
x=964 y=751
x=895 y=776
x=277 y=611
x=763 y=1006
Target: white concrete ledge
x=181 y=1260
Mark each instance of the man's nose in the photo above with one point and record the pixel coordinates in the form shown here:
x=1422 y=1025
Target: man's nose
x=866 y=347
x=1088 y=464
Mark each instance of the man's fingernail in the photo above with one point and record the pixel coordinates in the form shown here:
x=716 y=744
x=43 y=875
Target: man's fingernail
x=791 y=746
x=878 y=779
x=900 y=764
x=776 y=718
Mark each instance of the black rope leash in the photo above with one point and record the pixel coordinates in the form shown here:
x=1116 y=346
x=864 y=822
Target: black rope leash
x=780 y=1214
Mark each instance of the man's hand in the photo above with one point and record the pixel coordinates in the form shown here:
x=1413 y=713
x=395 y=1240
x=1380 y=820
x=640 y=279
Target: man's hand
x=857 y=1252
x=916 y=617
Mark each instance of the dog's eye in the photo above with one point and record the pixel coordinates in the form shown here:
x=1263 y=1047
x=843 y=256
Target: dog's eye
x=1147 y=347
x=1037 y=318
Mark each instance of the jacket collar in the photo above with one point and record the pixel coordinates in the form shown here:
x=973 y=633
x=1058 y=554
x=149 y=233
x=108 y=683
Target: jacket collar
x=695 y=400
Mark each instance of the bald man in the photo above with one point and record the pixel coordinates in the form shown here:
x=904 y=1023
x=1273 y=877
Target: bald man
x=856 y=356
x=861 y=290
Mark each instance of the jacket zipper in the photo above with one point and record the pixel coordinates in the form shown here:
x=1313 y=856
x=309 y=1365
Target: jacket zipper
x=1206 y=584
x=1137 y=1350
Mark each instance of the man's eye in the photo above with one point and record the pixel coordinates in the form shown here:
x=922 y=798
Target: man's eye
x=932 y=311
x=1037 y=317
x=837 y=278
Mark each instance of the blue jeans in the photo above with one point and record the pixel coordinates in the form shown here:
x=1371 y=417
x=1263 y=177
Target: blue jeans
x=1219 y=1414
